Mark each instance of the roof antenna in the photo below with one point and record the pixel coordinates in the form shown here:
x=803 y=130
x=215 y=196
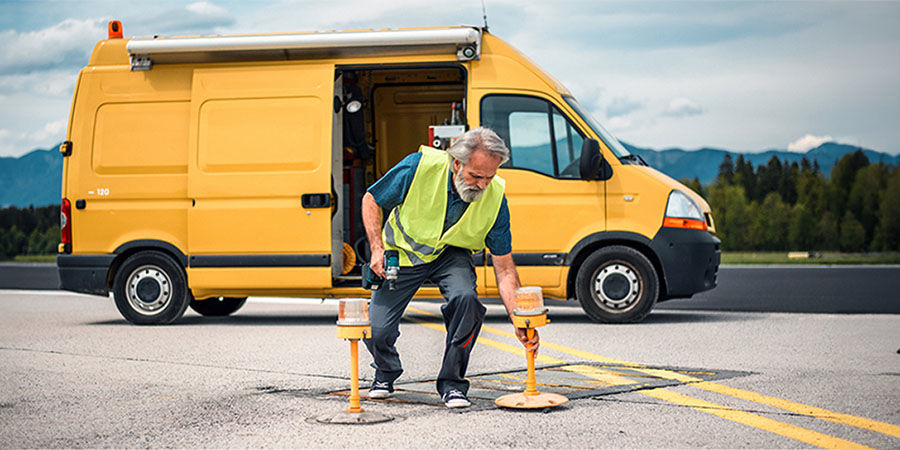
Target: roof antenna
x=484 y=13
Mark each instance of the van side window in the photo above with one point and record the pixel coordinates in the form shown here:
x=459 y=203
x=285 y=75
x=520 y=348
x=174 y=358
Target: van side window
x=568 y=145
x=539 y=136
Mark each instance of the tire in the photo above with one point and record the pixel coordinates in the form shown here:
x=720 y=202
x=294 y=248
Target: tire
x=217 y=306
x=617 y=284
x=150 y=288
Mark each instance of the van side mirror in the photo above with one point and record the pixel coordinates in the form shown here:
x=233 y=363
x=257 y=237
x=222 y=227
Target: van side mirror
x=592 y=166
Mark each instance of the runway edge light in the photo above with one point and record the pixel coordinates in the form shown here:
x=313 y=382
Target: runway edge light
x=353 y=325
x=530 y=313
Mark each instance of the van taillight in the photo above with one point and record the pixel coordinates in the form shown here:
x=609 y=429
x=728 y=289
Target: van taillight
x=65 y=221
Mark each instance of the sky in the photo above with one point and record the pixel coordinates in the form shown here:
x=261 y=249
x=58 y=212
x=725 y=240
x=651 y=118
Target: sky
x=744 y=76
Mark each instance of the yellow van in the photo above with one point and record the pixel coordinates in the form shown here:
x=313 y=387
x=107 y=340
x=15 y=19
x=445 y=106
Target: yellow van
x=201 y=170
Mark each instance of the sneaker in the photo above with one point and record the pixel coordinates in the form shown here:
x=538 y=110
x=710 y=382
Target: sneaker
x=454 y=398
x=381 y=389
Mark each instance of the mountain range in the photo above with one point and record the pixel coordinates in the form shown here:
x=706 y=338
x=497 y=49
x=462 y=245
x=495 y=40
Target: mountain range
x=35 y=178
x=704 y=163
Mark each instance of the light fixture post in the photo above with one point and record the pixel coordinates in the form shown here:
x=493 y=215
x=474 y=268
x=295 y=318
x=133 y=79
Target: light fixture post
x=353 y=325
x=529 y=314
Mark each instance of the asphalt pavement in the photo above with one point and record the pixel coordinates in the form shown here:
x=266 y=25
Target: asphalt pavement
x=75 y=374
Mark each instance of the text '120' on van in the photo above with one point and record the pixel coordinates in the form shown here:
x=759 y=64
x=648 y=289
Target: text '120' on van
x=202 y=170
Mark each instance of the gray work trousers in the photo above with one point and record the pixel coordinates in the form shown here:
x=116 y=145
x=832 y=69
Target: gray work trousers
x=454 y=274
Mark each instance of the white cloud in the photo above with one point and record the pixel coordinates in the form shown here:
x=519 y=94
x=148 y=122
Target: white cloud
x=206 y=8
x=48 y=83
x=17 y=143
x=198 y=17
x=807 y=143
x=68 y=43
x=682 y=107
x=621 y=106
x=294 y=15
x=618 y=124
x=54 y=131
x=849 y=140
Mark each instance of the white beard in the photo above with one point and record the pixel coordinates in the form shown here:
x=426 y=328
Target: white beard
x=468 y=193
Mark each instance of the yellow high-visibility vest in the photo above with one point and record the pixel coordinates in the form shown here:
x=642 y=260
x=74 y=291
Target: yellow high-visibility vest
x=415 y=226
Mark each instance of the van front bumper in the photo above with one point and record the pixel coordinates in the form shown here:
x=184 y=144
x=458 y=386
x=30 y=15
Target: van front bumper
x=689 y=258
x=87 y=274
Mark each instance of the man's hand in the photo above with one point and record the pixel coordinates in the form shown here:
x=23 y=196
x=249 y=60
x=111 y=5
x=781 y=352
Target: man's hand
x=376 y=262
x=508 y=282
x=530 y=344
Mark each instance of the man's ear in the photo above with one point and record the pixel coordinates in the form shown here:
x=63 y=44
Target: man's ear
x=456 y=165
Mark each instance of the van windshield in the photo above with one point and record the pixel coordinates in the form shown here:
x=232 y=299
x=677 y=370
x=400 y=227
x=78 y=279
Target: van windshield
x=611 y=142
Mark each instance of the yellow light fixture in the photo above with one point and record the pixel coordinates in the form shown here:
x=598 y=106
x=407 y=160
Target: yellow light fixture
x=530 y=313
x=353 y=325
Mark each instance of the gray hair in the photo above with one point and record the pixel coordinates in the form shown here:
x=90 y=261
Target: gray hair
x=485 y=139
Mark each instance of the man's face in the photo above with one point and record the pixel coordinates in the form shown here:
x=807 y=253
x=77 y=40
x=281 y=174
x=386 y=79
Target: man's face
x=471 y=179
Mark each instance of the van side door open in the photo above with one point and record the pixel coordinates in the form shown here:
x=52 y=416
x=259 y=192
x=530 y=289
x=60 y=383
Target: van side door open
x=259 y=176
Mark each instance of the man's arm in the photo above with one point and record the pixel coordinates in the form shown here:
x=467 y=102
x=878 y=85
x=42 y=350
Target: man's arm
x=508 y=282
x=371 y=215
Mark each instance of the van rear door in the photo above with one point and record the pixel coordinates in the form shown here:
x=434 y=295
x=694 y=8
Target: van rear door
x=260 y=158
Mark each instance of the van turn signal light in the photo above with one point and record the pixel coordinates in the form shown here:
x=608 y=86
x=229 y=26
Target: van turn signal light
x=678 y=222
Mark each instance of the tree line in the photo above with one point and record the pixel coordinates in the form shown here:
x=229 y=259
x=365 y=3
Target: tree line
x=775 y=207
x=781 y=207
x=29 y=231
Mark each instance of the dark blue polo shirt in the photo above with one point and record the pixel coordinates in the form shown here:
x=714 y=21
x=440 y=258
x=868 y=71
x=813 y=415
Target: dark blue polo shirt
x=390 y=191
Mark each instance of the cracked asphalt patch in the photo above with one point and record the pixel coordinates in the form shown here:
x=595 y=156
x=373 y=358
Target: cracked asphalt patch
x=558 y=378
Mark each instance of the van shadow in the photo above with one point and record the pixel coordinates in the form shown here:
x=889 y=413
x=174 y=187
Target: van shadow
x=563 y=313
x=576 y=316
x=239 y=319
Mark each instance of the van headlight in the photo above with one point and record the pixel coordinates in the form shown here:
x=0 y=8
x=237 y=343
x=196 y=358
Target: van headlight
x=683 y=212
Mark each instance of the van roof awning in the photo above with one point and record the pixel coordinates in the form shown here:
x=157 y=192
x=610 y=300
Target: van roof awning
x=463 y=41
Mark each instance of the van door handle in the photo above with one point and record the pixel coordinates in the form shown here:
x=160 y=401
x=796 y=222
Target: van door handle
x=319 y=200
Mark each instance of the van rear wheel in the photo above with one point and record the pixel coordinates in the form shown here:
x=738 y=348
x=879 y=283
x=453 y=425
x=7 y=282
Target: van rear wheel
x=617 y=284
x=150 y=288
x=217 y=306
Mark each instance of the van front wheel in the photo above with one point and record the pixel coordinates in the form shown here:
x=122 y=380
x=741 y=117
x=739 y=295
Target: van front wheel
x=150 y=288
x=217 y=306
x=617 y=284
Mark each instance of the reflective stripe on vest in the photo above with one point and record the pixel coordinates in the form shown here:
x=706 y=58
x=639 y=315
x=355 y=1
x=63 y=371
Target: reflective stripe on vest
x=415 y=226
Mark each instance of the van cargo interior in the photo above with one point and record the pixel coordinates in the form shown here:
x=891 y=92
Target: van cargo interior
x=387 y=114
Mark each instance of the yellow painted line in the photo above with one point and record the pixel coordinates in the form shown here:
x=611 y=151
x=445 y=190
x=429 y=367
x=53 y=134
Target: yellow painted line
x=591 y=371
x=754 y=420
x=604 y=376
x=489 y=342
x=743 y=417
x=551 y=346
x=799 y=408
x=787 y=405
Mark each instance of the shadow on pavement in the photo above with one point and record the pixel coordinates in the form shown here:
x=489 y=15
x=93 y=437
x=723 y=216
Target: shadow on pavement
x=239 y=319
x=655 y=317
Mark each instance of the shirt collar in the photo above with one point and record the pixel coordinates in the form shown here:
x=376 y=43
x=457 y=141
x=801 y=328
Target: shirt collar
x=451 y=191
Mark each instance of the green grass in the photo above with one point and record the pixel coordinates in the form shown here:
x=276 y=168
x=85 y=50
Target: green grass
x=818 y=258
x=35 y=258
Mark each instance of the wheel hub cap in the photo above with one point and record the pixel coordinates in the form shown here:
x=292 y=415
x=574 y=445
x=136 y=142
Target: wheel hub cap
x=617 y=287
x=149 y=290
